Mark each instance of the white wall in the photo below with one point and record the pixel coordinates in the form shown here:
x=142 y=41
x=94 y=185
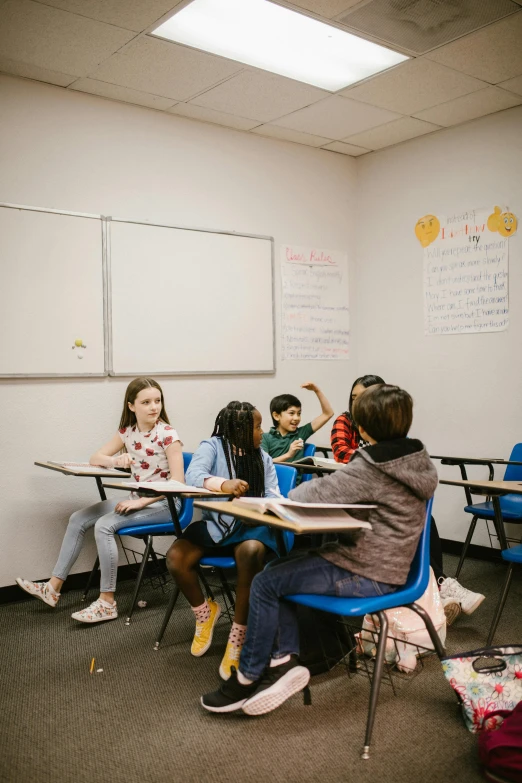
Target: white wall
x=81 y=153
x=467 y=388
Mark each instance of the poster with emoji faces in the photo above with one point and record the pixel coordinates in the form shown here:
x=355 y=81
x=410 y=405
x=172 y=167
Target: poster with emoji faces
x=466 y=270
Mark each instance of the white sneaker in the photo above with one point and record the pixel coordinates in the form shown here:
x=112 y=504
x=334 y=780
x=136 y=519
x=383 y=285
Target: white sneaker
x=97 y=612
x=41 y=590
x=468 y=600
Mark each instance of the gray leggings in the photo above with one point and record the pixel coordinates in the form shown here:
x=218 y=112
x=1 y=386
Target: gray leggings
x=106 y=523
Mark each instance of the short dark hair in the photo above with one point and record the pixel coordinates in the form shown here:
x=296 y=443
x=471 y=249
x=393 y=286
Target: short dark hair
x=384 y=411
x=281 y=403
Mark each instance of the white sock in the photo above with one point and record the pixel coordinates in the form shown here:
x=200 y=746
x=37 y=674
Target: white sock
x=107 y=603
x=242 y=680
x=279 y=661
x=51 y=588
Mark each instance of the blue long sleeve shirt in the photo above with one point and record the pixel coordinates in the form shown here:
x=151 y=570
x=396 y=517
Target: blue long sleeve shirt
x=209 y=460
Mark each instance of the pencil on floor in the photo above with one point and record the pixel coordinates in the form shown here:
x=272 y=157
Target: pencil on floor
x=92 y=665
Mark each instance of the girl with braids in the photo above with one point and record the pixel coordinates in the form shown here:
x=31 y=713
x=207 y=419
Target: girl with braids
x=146 y=444
x=231 y=461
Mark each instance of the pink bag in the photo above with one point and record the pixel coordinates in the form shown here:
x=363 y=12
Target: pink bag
x=500 y=750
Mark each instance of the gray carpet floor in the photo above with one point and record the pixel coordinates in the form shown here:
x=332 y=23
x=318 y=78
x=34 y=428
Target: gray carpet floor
x=140 y=720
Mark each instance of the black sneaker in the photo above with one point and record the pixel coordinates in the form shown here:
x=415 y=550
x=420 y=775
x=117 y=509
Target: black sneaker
x=276 y=686
x=231 y=695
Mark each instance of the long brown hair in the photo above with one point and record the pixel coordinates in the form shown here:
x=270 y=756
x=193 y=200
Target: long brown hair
x=128 y=417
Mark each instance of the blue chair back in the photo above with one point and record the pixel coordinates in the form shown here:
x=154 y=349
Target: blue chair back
x=309 y=451
x=514 y=472
x=286 y=478
x=187 y=507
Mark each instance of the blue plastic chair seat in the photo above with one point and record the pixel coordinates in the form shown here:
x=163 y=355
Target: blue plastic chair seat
x=218 y=562
x=513 y=555
x=160 y=529
x=510 y=505
x=415 y=586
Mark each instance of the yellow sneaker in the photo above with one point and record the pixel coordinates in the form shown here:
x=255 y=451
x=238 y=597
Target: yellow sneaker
x=230 y=658
x=203 y=635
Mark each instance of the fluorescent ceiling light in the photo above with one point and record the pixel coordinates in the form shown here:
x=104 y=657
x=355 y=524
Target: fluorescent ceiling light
x=276 y=39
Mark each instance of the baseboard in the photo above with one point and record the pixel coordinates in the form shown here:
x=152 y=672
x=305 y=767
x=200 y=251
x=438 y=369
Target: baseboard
x=12 y=593
x=450 y=547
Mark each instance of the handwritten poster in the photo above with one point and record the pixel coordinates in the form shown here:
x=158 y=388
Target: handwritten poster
x=315 y=316
x=465 y=273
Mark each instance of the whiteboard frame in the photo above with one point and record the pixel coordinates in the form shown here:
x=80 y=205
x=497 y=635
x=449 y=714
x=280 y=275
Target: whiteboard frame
x=105 y=372
x=164 y=373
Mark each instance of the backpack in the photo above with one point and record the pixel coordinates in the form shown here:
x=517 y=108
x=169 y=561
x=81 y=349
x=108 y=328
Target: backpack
x=323 y=640
x=500 y=750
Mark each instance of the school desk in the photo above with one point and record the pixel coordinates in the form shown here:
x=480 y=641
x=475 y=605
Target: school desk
x=318 y=470
x=495 y=489
x=279 y=525
x=96 y=474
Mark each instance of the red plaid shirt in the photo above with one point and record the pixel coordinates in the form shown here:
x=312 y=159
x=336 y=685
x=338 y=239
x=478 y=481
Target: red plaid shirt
x=344 y=438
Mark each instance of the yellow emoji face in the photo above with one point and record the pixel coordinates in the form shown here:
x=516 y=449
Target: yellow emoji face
x=503 y=222
x=427 y=229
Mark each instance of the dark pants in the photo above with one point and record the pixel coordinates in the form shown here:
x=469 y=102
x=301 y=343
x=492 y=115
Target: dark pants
x=436 y=551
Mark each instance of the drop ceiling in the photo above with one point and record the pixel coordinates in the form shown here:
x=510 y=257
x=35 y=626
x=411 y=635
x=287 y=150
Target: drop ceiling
x=466 y=62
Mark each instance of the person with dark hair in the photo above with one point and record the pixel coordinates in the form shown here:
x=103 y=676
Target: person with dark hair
x=232 y=461
x=345 y=440
x=345 y=437
x=395 y=474
x=148 y=445
x=286 y=439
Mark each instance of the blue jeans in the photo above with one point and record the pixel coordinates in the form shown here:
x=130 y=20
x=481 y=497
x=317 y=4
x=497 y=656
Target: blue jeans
x=106 y=523
x=272 y=622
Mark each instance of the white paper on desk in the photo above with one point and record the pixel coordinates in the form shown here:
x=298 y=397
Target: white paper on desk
x=166 y=486
x=85 y=467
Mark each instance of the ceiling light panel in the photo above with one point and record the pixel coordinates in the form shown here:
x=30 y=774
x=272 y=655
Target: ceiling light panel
x=273 y=38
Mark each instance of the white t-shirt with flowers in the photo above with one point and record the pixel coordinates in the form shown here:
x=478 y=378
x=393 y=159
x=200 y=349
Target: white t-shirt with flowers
x=148 y=450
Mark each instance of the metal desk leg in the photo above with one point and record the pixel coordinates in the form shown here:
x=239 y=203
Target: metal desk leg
x=174 y=514
x=499 y=522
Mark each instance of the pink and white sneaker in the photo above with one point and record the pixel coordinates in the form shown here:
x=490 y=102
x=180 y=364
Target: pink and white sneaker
x=97 y=612
x=41 y=590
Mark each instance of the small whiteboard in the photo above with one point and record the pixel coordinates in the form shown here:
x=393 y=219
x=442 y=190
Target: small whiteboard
x=189 y=301
x=52 y=294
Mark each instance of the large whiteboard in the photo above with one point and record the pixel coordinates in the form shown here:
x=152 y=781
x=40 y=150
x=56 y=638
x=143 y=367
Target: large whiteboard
x=52 y=283
x=189 y=301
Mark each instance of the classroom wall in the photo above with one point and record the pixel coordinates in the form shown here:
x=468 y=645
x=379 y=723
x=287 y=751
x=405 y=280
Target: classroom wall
x=467 y=388
x=61 y=149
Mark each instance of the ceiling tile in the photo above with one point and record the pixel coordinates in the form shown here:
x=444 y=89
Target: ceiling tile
x=55 y=40
x=275 y=132
x=469 y=107
x=493 y=54
x=16 y=68
x=420 y=25
x=326 y=8
x=392 y=133
x=130 y=14
x=514 y=85
x=413 y=86
x=345 y=149
x=209 y=115
x=117 y=93
x=259 y=95
x=336 y=117
x=165 y=68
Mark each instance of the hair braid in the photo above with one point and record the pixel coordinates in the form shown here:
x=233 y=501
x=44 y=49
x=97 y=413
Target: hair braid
x=235 y=426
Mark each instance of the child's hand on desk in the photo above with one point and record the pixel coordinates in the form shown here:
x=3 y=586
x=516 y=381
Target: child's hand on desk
x=236 y=487
x=128 y=506
x=123 y=461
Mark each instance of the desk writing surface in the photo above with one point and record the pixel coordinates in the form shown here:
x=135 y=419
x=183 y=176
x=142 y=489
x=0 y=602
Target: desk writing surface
x=487 y=487
x=312 y=468
x=477 y=460
x=236 y=510
x=71 y=472
x=144 y=488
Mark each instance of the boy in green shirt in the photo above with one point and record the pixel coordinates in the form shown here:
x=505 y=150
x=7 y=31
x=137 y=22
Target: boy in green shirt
x=286 y=439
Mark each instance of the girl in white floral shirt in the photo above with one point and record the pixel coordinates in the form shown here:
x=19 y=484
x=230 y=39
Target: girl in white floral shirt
x=153 y=453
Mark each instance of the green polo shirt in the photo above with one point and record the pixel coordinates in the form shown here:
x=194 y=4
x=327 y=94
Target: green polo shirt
x=276 y=444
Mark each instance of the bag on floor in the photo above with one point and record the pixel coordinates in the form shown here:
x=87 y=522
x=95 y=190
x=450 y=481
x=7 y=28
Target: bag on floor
x=500 y=749
x=323 y=641
x=407 y=634
x=485 y=681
